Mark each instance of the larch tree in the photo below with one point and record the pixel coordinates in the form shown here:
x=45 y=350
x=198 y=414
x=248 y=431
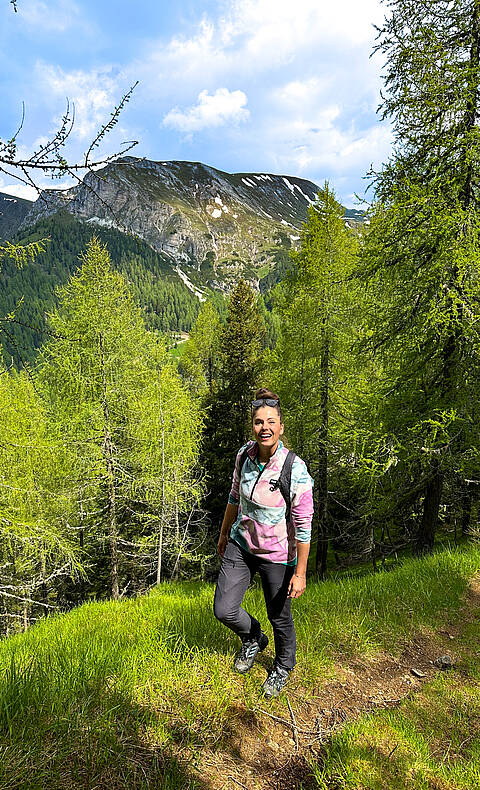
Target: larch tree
x=421 y=258
x=37 y=545
x=123 y=413
x=199 y=363
x=310 y=364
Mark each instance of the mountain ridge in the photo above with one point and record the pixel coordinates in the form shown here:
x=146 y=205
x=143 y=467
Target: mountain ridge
x=211 y=226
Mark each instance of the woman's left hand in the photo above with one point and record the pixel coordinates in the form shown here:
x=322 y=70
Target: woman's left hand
x=297 y=586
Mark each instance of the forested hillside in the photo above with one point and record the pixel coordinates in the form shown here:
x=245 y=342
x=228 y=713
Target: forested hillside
x=13 y=210
x=169 y=306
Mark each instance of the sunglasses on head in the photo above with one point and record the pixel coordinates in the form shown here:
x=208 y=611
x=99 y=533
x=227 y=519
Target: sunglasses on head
x=264 y=402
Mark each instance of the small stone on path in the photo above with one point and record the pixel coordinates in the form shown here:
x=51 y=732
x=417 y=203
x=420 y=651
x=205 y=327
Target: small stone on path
x=444 y=662
x=418 y=673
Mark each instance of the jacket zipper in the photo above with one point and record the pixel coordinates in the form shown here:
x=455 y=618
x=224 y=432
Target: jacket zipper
x=256 y=481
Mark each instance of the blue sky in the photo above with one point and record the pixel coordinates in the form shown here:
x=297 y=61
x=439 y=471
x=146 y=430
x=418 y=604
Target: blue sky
x=278 y=86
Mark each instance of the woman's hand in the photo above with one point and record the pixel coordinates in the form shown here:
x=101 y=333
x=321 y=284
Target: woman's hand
x=231 y=512
x=222 y=544
x=297 y=586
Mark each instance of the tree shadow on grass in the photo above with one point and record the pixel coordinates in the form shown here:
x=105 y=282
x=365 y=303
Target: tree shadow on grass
x=99 y=739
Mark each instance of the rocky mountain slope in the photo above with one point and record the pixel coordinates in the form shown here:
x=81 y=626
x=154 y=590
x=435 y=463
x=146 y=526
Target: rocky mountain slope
x=13 y=210
x=209 y=225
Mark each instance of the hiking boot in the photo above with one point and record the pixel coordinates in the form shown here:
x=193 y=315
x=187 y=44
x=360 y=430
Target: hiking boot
x=246 y=655
x=276 y=680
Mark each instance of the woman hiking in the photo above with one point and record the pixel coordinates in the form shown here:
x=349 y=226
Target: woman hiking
x=266 y=529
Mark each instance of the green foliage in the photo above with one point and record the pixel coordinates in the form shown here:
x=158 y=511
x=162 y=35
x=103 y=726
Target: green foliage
x=315 y=305
x=129 y=426
x=421 y=266
x=28 y=293
x=227 y=422
x=36 y=540
x=21 y=254
x=199 y=363
x=240 y=351
x=311 y=366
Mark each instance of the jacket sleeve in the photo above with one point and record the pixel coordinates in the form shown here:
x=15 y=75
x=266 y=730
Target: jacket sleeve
x=234 y=495
x=301 y=494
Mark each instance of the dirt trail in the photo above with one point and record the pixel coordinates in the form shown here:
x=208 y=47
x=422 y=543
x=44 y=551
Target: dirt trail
x=270 y=748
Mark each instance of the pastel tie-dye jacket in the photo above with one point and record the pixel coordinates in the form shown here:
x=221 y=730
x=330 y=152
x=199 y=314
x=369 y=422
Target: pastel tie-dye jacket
x=260 y=526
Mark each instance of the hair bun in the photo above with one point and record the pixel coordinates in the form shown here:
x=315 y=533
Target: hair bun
x=265 y=393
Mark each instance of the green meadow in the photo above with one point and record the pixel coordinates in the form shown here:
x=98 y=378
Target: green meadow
x=127 y=694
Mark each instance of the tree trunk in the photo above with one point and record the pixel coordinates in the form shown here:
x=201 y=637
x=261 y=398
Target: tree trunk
x=471 y=113
x=112 y=512
x=322 y=487
x=162 y=512
x=107 y=449
x=301 y=399
x=431 y=506
x=467 y=507
x=178 y=546
x=25 y=612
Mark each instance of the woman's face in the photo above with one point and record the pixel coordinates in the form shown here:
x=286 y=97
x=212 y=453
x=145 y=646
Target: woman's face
x=267 y=427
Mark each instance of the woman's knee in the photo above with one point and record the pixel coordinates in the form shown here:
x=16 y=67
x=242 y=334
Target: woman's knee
x=223 y=610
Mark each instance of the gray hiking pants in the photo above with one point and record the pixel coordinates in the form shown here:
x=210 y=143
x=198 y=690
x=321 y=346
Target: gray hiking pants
x=237 y=571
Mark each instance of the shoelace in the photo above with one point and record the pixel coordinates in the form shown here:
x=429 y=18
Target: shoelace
x=248 y=649
x=277 y=678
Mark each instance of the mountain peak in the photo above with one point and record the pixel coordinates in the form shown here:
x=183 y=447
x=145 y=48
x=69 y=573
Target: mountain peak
x=211 y=226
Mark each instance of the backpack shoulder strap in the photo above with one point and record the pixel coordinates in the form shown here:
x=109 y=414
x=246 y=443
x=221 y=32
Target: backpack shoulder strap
x=243 y=458
x=285 y=480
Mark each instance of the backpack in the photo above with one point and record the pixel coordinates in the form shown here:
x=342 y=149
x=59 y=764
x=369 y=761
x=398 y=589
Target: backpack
x=284 y=479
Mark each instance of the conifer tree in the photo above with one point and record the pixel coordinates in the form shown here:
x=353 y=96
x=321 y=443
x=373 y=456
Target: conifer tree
x=240 y=360
x=123 y=414
x=227 y=422
x=37 y=545
x=309 y=366
x=200 y=361
x=421 y=257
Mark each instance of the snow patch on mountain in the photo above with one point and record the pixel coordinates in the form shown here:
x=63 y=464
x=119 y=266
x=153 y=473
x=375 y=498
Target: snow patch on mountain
x=189 y=284
x=303 y=193
x=102 y=221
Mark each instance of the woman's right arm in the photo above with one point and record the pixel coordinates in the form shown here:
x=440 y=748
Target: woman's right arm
x=229 y=518
x=231 y=511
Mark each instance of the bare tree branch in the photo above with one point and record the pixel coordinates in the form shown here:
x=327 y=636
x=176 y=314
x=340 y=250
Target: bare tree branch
x=49 y=156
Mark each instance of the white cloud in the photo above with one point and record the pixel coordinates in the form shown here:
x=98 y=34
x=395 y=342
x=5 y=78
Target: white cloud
x=298 y=91
x=20 y=190
x=222 y=107
x=326 y=149
x=312 y=88
x=94 y=93
x=258 y=35
x=275 y=31
x=52 y=17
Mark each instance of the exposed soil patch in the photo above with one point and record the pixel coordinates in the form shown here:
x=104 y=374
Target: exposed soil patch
x=271 y=751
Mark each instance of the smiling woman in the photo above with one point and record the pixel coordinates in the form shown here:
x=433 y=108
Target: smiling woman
x=266 y=528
